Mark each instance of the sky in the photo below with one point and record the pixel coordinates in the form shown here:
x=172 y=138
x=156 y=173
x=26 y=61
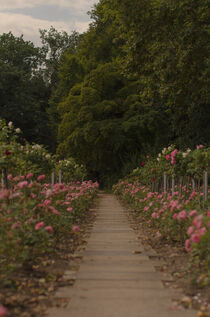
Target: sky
x=28 y=16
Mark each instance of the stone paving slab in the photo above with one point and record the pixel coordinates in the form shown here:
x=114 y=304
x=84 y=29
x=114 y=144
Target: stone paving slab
x=146 y=267
x=127 y=276
x=117 y=276
x=152 y=307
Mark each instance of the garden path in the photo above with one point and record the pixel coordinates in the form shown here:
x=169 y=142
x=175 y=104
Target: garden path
x=117 y=276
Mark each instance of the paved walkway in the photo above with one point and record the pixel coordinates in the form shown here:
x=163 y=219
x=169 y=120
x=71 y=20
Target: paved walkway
x=114 y=280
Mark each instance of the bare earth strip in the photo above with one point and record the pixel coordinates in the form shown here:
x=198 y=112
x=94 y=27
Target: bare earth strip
x=116 y=277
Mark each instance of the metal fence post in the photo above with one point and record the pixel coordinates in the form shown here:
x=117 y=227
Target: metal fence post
x=60 y=177
x=53 y=179
x=164 y=183
x=205 y=185
x=173 y=185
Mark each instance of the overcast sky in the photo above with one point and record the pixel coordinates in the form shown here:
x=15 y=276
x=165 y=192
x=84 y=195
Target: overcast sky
x=28 y=16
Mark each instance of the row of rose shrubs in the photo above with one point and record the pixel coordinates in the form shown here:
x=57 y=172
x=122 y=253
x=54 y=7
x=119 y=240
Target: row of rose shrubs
x=173 y=162
x=180 y=215
x=34 y=216
x=19 y=157
x=176 y=218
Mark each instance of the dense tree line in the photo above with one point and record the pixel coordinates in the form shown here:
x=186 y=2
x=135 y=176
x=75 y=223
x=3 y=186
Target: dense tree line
x=136 y=81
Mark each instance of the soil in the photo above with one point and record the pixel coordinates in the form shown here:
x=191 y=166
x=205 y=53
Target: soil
x=187 y=276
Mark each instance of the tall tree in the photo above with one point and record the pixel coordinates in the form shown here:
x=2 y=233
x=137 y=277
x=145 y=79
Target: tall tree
x=23 y=93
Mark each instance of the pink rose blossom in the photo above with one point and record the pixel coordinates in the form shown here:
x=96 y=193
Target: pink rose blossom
x=193 y=213
x=3 y=311
x=202 y=231
x=9 y=177
x=190 y=230
x=155 y=215
x=182 y=215
x=76 y=229
x=173 y=154
x=29 y=176
x=208 y=224
x=174 y=216
x=199 y=146
x=69 y=209
x=188 y=245
x=47 y=202
x=198 y=221
x=208 y=214
x=39 y=225
x=40 y=177
x=195 y=237
x=49 y=229
x=167 y=157
x=173 y=161
x=22 y=184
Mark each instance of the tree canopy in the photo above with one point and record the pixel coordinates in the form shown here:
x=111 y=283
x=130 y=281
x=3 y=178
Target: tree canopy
x=135 y=81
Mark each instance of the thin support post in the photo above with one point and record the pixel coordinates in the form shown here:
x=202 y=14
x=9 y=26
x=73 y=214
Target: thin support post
x=164 y=183
x=60 y=177
x=193 y=184
x=173 y=185
x=205 y=185
x=53 y=179
x=2 y=178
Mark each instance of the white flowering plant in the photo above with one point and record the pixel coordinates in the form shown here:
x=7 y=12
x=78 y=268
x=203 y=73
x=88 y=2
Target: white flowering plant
x=71 y=171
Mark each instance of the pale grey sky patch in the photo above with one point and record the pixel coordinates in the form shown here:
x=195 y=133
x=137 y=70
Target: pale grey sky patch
x=28 y=16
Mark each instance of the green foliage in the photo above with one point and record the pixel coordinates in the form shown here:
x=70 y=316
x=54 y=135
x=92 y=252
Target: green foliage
x=22 y=89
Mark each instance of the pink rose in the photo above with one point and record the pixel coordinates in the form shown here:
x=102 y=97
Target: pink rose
x=190 y=230
x=173 y=154
x=182 y=215
x=22 y=184
x=9 y=177
x=29 y=176
x=199 y=146
x=167 y=157
x=49 y=229
x=47 y=202
x=198 y=221
x=76 y=229
x=195 y=237
x=3 y=311
x=69 y=209
x=173 y=161
x=41 y=177
x=193 y=213
x=39 y=225
x=188 y=245
x=202 y=231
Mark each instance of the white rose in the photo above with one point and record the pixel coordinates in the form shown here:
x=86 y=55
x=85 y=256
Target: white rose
x=10 y=124
x=18 y=130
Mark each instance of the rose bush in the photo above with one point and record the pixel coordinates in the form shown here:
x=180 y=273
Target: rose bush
x=180 y=215
x=34 y=215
